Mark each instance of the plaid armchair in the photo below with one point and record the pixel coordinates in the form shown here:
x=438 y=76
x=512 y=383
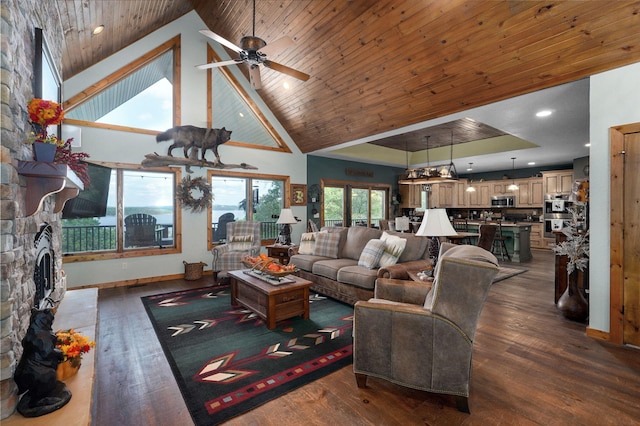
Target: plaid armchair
x=421 y=336
x=243 y=238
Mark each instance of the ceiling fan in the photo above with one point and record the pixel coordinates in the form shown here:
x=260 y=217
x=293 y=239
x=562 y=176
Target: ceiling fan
x=254 y=51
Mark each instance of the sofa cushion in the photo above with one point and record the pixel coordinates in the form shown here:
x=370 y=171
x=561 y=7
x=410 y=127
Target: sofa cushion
x=329 y=268
x=342 y=231
x=327 y=244
x=357 y=239
x=371 y=254
x=415 y=247
x=308 y=243
x=305 y=261
x=358 y=276
x=393 y=249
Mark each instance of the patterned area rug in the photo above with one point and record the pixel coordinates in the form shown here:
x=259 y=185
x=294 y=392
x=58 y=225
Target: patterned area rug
x=505 y=273
x=227 y=362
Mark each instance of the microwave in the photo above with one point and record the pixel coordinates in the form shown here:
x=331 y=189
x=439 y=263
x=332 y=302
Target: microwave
x=503 y=201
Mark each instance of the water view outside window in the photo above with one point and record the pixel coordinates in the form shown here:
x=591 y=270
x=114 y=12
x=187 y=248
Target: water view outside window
x=146 y=196
x=245 y=198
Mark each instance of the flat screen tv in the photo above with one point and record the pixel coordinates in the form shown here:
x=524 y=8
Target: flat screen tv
x=92 y=201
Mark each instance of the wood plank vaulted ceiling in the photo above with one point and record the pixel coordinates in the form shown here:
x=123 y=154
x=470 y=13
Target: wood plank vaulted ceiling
x=379 y=66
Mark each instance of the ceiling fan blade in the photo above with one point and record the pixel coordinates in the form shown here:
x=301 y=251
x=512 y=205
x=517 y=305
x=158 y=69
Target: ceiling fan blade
x=277 y=46
x=221 y=40
x=218 y=64
x=286 y=70
x=254 y=77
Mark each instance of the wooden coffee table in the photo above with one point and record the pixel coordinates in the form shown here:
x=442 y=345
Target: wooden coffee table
x=270 y=302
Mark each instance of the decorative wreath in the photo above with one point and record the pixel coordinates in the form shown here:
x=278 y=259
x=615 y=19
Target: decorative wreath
x=187 y=200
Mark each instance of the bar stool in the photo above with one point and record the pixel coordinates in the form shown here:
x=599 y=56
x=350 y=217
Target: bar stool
x=461 y=225
x=499 y=244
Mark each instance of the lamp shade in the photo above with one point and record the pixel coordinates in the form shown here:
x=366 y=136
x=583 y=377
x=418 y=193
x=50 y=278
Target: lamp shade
x=286 y=217
x=435 y=224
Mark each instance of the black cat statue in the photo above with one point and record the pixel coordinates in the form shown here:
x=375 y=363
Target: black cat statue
x=36 y=371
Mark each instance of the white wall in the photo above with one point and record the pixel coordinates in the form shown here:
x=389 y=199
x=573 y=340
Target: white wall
x=614 y=100
x=123 y=147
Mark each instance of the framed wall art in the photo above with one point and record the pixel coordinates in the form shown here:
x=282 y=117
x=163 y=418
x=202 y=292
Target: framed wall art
x=298 y=194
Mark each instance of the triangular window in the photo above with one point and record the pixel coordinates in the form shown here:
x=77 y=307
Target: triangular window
x=139 y=96
x=232 y=108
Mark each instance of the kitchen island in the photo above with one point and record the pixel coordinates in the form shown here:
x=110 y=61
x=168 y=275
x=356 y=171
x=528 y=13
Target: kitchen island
x=517 y=238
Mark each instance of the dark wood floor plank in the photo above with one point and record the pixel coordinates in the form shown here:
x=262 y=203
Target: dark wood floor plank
x=530 y=367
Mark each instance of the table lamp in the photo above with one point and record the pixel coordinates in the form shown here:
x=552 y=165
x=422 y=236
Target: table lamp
x=435 y=224
x=286 y=219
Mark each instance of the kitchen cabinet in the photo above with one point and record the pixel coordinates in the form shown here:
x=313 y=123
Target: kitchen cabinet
x=411 y=196
x=500 y=187
x=530 y=193
x=461 y=194
x=557 y=181
x=536 y=236
x=481 y=197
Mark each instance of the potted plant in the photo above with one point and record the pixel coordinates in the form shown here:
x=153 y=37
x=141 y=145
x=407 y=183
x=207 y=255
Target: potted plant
x=47 y=147
x=42 y=114
x=72 y=345
x=576 y=248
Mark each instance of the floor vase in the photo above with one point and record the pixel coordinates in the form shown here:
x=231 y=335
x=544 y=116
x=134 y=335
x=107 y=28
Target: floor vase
x=572 y=303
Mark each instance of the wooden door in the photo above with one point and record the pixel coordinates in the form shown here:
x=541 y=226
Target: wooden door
x=625 y=234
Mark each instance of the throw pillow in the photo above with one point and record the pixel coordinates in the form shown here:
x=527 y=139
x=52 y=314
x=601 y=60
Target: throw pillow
x=371 y=254
x=327 y=244
x=307 y=243
x=393 y=248
x=240 y=242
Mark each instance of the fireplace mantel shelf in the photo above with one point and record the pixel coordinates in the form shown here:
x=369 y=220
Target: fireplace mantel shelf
x=44 y=179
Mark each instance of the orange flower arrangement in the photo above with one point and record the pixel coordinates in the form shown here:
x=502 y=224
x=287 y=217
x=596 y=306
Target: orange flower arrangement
x=73 y=344
x=45 y=113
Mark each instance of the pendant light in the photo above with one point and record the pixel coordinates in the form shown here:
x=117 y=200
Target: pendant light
x=513 y=186
x=470 y=188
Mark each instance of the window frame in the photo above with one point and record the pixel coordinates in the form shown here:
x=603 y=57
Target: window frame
x=252 y=176
x=170 y=45
x=120 y=251
x=347 y=186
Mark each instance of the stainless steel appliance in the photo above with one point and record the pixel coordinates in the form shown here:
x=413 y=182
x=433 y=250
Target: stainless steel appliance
x=503 y=201
x=555 y=213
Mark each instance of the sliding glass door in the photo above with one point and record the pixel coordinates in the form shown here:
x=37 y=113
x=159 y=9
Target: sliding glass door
x=354 y=204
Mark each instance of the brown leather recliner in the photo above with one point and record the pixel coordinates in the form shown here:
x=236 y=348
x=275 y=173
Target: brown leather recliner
x=421 y=336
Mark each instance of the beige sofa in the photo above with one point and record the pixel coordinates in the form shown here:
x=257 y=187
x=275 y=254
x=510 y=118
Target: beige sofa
x=340 y=276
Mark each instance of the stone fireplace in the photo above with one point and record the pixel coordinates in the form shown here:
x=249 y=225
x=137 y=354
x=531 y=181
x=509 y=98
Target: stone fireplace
x=44 y=270
x=19 y=254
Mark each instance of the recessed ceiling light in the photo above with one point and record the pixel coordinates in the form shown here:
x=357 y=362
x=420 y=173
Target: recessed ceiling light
x=531 y=163
x=241 y=115
x=588 y=144
x=286 y=85
x=544 y=113
x=97 y=30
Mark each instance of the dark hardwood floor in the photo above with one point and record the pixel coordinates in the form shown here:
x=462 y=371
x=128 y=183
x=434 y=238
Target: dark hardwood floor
x=530 y=367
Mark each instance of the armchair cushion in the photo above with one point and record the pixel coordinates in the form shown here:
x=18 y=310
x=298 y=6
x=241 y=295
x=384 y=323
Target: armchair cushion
x=240 y=242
